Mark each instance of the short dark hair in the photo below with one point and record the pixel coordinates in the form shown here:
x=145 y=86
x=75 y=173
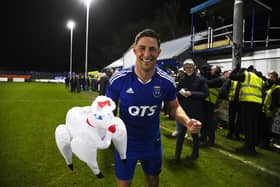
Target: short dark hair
x=274 y=73
x=147 y=33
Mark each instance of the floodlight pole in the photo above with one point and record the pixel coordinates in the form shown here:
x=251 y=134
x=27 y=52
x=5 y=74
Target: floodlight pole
x=71 y=26
x=86 y=55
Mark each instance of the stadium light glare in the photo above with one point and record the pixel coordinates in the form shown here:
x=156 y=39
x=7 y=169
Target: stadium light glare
x=87 y=3
x=70 y=24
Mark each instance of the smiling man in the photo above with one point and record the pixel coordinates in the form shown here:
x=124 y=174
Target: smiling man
x=140 y=90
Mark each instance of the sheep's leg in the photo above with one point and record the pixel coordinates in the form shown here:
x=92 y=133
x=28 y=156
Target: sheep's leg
x=93 y=164
x=87 y=154
x=63 y=139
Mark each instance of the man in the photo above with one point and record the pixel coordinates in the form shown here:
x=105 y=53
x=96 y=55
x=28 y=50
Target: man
x=214 y=82
x=270 y=105
x=192 y=90
x=104 y=81
x=250 y=98
x=230 y=92
x=141 y=91
x=180 y=75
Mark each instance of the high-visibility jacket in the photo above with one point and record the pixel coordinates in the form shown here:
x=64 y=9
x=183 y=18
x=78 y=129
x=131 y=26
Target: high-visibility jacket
x=213 y=95
x=232 y=90
x=268 y=101
x=251 y=88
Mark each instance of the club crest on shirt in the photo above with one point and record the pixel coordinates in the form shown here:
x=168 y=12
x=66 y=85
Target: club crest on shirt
x=156 y=91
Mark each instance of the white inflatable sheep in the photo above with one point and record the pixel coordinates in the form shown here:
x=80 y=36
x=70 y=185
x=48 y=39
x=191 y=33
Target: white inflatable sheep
x=88 y=129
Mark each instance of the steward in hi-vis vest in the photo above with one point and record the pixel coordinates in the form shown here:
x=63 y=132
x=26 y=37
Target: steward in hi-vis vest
x=250 y=98
x=213 y=95
x=251 y=88
x=269 y=126
x=233 y=88
x=267 y=109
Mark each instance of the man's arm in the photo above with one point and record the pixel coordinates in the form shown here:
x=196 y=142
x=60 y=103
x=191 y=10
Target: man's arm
x=192 y=125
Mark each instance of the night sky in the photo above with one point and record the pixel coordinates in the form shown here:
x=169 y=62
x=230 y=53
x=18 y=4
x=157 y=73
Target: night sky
x=37 y=39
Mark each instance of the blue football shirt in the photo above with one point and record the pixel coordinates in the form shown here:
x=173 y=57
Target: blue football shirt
x=140 y=105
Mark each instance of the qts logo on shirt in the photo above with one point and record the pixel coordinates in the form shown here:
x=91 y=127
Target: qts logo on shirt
x=142 y=110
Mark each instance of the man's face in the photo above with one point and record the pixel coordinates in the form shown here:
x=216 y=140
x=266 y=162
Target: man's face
x=213 y=70
x=146 y=52
x=189 y=69
x=271 y=76
x=109 y=72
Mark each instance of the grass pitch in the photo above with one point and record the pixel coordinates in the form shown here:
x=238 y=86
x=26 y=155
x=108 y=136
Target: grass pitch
x=30 y=112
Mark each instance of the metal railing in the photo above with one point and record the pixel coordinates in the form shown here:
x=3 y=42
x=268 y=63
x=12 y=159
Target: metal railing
x=207 y=38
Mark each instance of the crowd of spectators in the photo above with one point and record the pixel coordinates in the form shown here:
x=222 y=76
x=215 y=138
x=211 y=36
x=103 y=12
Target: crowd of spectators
x=78 y=83
x=243 y=101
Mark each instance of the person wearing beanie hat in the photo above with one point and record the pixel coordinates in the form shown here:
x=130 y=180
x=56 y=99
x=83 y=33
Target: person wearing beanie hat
x=181 y=74
x=191 y=91
x=189 y=67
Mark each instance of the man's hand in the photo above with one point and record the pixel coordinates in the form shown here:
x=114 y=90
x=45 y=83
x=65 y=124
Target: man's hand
x=182 y=92
x=185 y=92
x=194 y=126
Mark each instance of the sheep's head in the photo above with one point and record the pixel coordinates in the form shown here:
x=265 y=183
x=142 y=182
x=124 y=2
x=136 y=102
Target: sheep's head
x=101 y=115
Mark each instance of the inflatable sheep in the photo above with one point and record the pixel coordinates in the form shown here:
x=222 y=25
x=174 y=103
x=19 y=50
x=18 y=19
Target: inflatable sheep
x=88 y=129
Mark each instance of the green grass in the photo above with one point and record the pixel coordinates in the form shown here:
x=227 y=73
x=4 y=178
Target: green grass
x=30 y=112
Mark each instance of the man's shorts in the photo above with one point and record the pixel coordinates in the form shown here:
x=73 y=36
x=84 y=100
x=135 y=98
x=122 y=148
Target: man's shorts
x=125 y=169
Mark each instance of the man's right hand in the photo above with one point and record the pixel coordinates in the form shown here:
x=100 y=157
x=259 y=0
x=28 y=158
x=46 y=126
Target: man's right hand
x=194 y=126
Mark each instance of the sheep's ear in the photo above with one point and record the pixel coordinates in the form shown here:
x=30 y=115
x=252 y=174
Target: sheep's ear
x=103 y=101
x=94 y=104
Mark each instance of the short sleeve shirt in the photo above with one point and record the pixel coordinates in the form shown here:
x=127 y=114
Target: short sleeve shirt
x=140 y=105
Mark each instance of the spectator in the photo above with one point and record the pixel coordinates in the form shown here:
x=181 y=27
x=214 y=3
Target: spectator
x=73 y=83
x=180 y=75
x=270 y=105
x=104 y=81
x=191 y=92
x=78 y=83
x=230 y=90
x=214 y=82
x=67 y=82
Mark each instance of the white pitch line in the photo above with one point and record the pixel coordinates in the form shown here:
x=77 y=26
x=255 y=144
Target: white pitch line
x=252 y=164
x=248 y=162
